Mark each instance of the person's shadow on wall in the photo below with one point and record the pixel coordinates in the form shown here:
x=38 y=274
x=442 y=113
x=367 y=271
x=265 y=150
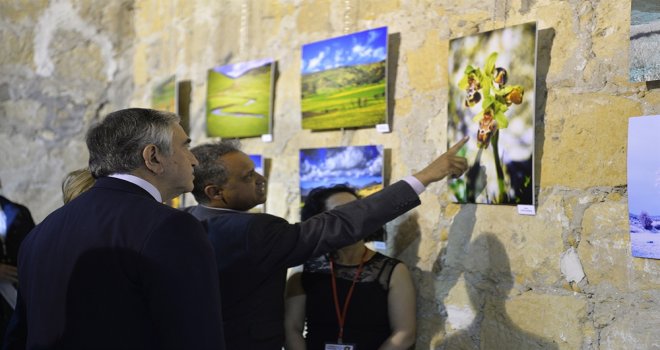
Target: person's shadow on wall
x=433 y=286
x=449 y=265
x=488 y=278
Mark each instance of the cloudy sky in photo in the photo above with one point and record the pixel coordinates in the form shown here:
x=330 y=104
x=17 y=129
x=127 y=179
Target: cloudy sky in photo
x=238 y=69
x=369 y=46
x=643 y=165
x=355 y=165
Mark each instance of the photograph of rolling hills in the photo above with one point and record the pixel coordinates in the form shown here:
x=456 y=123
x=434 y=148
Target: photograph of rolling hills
x=344 y=81
x=360 y=167
x=239 y=99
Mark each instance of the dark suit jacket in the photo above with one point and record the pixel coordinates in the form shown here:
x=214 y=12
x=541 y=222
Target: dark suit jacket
x=253 y=252
x=114 y=269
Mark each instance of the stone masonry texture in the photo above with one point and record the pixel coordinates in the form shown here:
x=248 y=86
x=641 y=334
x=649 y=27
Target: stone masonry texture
x=486 y=277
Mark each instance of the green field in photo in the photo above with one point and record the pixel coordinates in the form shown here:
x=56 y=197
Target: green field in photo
x=239 y=107
x=344 y=97
x=163 y=98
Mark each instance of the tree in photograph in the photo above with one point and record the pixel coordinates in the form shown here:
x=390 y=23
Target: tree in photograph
x=646 y=220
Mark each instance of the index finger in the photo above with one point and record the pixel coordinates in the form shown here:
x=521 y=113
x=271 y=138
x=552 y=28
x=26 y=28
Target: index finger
x=453 y=149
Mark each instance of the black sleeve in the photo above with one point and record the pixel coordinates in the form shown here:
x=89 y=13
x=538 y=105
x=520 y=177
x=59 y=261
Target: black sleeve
x=276 y=243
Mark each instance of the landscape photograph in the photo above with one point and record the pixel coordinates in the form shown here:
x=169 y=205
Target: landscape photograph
x=644 y=186
x=492 y=100
x=239 y=99
x=644 y=59
x=163 y=96
x=344 y=81
x=258 y=161
x=360 y=167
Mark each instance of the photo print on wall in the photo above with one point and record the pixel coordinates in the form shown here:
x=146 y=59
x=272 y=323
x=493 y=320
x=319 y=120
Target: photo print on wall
x=360 y=167
x=239 y=99
x=491 y=100
x=644 y=59
x=344 y=81
x=644 y=186
x=258 y=161
x=164 y=98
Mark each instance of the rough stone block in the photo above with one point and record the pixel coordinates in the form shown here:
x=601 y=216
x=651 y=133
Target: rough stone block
x=312 y=17
x=605 y=250
x=423 y=64
x=579 y=149
x=537 y=321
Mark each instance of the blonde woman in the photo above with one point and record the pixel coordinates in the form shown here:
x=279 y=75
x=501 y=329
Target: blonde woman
x=75 y=183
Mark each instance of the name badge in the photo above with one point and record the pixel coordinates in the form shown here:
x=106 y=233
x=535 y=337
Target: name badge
x=330 y=346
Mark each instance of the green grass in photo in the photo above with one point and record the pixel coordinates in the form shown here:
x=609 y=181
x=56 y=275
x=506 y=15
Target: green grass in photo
x=344 y=97
x=163 y=98
x=239 y=107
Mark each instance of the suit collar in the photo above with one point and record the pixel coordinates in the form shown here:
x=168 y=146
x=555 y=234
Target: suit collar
x=144 y=184
x=121 y=185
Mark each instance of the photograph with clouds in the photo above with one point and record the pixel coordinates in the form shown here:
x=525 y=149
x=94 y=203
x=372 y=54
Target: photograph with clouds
x=258 y=161
x=344 y=81
x=239 y=99
x=644 y=186
x=360 y=167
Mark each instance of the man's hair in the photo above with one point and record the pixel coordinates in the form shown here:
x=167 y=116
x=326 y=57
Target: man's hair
x=210 y=170
x=116 y=143
x=315 y=204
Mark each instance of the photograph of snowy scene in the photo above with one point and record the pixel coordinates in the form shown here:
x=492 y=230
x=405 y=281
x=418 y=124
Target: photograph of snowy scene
x=644 y=186
x=644 y=40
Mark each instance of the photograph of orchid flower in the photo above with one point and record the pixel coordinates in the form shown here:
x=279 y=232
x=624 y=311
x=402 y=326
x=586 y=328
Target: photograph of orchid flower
x=239 y=99
x=360 y=167
x=644 y=186
x=344 y=81
x=491 y=100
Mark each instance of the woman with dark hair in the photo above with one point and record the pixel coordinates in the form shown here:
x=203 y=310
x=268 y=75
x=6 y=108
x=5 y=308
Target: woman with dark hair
x=354 y=297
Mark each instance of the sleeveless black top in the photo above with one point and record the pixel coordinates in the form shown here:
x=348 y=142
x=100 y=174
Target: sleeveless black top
x=367 y=321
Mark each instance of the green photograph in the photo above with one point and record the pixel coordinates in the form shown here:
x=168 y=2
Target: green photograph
x=344 y=81
x=163 y=96
x=239 y=99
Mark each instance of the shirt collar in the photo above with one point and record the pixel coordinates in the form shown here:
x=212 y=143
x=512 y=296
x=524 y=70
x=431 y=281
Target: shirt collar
x=223 y=209
x=144 y=184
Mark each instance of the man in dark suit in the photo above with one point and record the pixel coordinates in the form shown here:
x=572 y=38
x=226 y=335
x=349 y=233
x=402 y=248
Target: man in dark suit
x=15 y=223
x=253 y=251
x=115 y=268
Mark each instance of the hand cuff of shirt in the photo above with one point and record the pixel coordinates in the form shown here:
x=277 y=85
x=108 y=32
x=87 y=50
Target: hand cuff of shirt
x=417 y=185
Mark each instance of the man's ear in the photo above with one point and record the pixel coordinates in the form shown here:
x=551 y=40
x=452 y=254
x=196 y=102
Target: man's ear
x=213 y=192
x=152 y=159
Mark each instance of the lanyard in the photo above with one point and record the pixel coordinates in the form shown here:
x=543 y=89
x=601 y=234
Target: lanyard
x=341 y=317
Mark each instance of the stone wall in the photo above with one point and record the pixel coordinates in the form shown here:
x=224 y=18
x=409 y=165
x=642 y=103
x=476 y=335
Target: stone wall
x=486 y=277
x=64 y=64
